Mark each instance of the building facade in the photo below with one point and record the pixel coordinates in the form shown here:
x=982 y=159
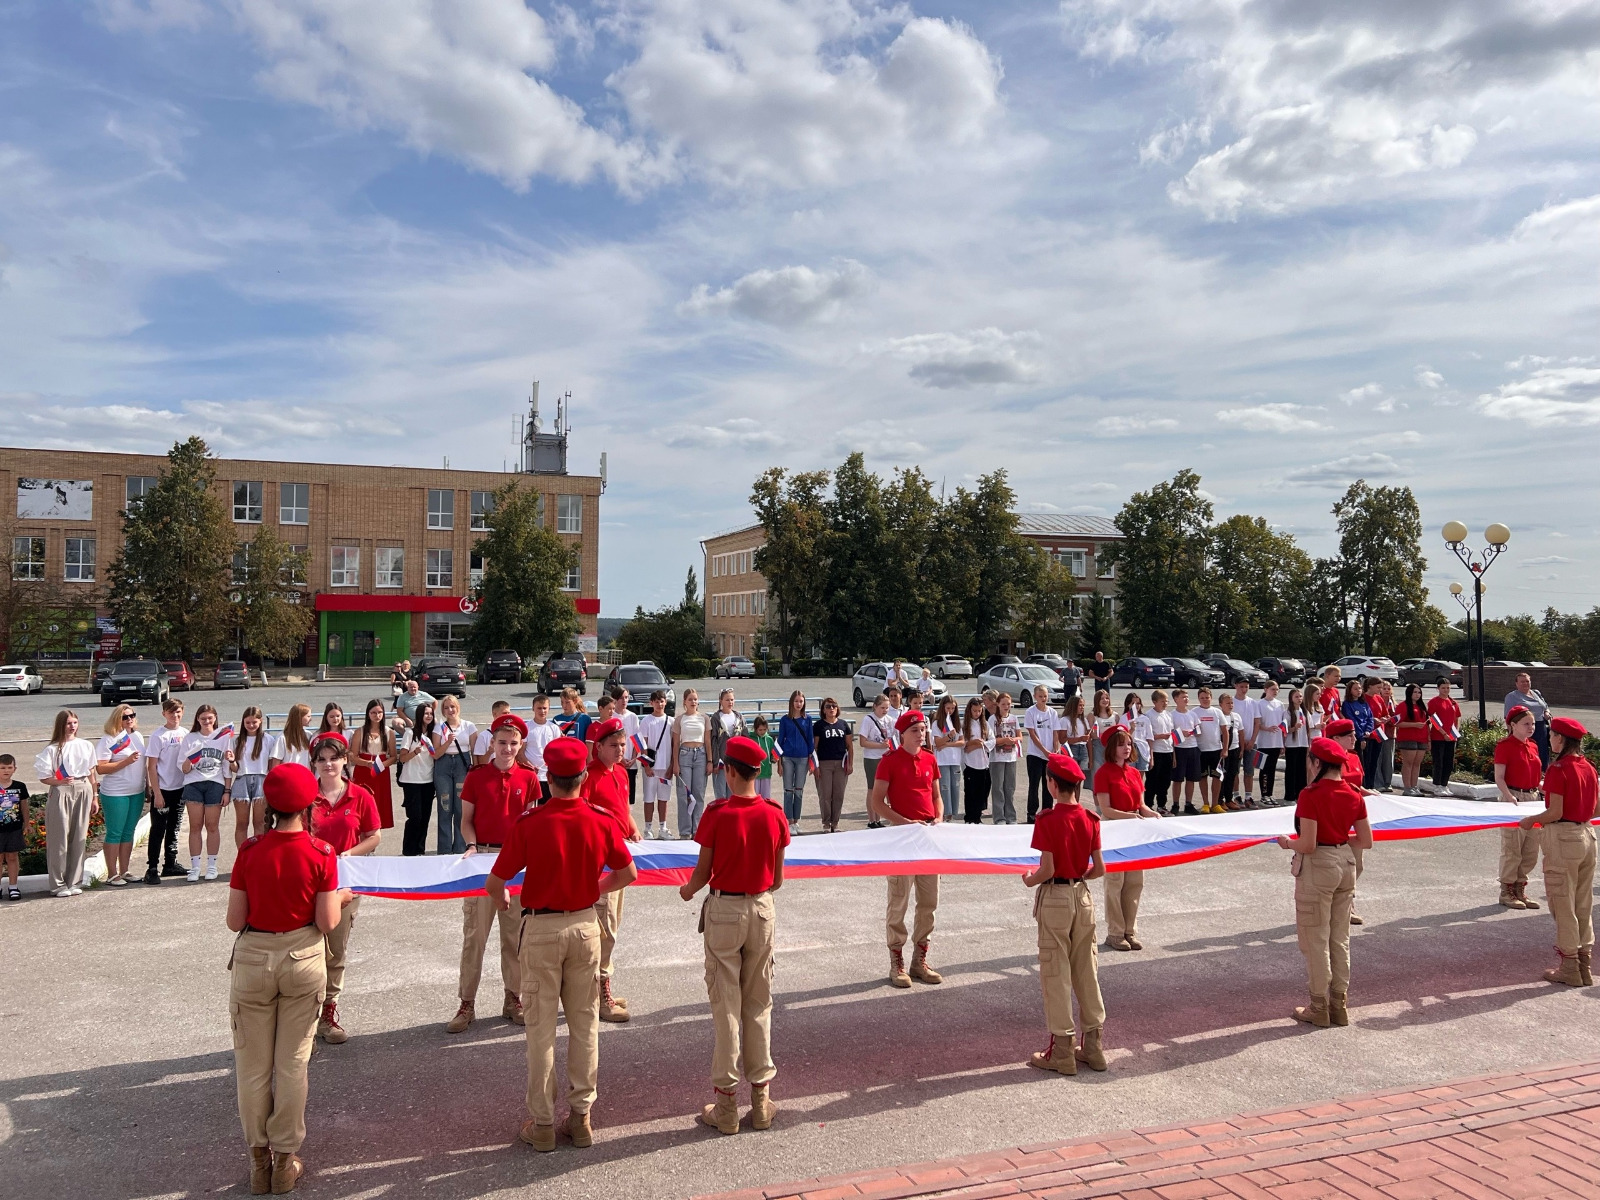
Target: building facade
x=389 y=550
x=736 y=593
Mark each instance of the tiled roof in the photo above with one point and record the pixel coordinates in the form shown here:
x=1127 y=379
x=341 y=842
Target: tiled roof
x=1075 y=524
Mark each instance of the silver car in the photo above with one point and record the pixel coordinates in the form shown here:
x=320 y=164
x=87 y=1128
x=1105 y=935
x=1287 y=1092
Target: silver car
x=21 y=679
x=871 y=678
x=949 y=666
x=1018 y=680
x=735 y=666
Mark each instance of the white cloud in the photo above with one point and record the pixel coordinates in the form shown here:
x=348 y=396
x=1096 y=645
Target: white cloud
x=1558 y=221
x=1405 y=437
x=886 y=439
x=1128 y=426
x=972 y=359
x=739 y=433
x=1341 y=472
x=1273 y=418
x=1366 y=392
x=787 y=296
x=1550 y=396
x=152 y=14
x=1429 y=378
x=1545 y=560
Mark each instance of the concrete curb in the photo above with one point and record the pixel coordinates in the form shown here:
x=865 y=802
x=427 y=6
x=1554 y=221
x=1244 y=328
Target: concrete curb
x=94 y=867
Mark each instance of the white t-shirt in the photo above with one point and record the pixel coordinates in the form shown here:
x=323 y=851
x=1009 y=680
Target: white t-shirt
x=878 y=730
x=925 y=685
x=209 y=766
x=1245 y=710
x=1300 y=736
x=630 y=728
x=1271 y=714
x=1207 y=727
x=1041 y=723
x=249 y=762
x=461 y=742
x=950 y=756
x=1072 y=727
x=978 y=759
x=75 y=755
x=163 y=746
x=1006 y=726
x=420 y=768
x=656 y=734
x=1161 y=727
x=1185 y=726
x=540 y=736
x=1234 y=723
x=130 y=780
x=303 y=757
x=729 y=722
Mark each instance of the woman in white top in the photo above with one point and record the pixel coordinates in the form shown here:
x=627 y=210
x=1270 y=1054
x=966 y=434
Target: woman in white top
x=1073 y=732
x=691 y=750
x=1101 y=719
x=726 y=724
x=1271 y=717
x=452 y=759
x=655 y=731
x=979 y=741
x=1039 y=738
x=255 y=752
x=948 y=745
x=1003 y=761
x=414 y=752
x=67 y=767
x=1137 y=724
x=204 y=759
x=294 y=745
x=876 y=737
x=1296 y=744
x=119 y=762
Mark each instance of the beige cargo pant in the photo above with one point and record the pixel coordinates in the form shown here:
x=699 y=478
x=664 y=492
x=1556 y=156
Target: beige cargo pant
x=1519 y=847
x=560 y=958
x=1569 y=857
x=608 y=911
x=1123 y=889
x=738 y=934
x=900 y=889
x=338 y=947
x=1324 y=891
x=273 y=1002
x=478 y=917
x=1068 y=963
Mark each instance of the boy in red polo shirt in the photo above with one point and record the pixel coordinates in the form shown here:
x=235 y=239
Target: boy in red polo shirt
x=492 y=798
x=741 y=841
x=1067 y=837
x=562 y=850
x=606 y=787
x=906 y=792
x=1567 y=836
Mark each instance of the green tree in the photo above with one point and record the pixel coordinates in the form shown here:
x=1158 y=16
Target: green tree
x=996 y=573
x=168 y=586
x=1099 y=630
x=855 y=566
x=521 y=605
x=1161 y=565
x=1045 y=623
x=794 y=519
x=29 y=602
x=1574 y=638
x=269 y=608
x=1253 y=578
x=920 y=546
x=1323 y=612
x=1380 y=549
x=1526 y=640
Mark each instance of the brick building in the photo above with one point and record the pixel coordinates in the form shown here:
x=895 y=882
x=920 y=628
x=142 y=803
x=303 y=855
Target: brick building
x=736 y=593
x=390 y=564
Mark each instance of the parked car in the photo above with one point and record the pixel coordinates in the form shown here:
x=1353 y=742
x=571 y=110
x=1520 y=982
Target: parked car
x=565 y=668
x=1019 y=679
x=642 y=678
x=1235 y=669
x=441 y=675
x=1070 y=674
x=1191 y=672
x=871 y=678
x=949 y=666
x=1361 y=666
x=1142 y=672
x=182 y=677
x=136 y=681
x=21 y=679
x=1291 y=672
x=230 y=673
x=1505 y=662
x=102 y=672
x=500 y=666
x=1431 y=671
x=735 y=666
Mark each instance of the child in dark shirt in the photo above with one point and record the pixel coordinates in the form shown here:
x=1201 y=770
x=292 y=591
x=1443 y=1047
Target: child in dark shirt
x=14 y=821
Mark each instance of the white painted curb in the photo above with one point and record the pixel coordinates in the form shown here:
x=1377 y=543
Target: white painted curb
x=94 y=867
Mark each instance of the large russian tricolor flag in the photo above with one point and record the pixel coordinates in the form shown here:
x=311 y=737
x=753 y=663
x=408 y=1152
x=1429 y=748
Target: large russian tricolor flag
x=956 y=849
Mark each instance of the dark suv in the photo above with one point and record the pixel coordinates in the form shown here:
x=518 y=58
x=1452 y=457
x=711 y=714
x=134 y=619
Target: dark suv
x=1235 y=669
x=1290 y=672
x=136 y=681
x=642 y=678
x=1141 y=672
x=501 y=666
x=1191 y=672
x=564 y=669
x=441 y=676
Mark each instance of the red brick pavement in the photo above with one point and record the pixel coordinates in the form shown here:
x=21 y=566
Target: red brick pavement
x=1532 y=1134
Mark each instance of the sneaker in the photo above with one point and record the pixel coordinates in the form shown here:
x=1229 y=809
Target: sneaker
x=211 y=871
x=194 y=873
x=61 y=893
x=74 y=891
x=172 y=871
x=118 y=881
x=152 y=876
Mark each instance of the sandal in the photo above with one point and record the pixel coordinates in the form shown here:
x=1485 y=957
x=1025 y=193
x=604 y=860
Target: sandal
x=14 y=894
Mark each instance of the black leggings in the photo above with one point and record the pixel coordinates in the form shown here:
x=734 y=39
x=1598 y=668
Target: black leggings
x=1230 y=774
x=1036 y=785
x=1158 y=780
x=1294 y=773
x=1269 y=770
x=418 y=804
x=164 y=824
x=1444 y=762
x=974 y=793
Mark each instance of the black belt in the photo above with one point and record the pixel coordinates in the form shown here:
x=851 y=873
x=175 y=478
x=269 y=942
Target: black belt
x=738 y=895
x=1332 y=844
x=1063 y=879
x=552 y=912
x=1564 y=821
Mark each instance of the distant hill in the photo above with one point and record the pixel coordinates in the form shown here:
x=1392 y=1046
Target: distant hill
x=606 y=628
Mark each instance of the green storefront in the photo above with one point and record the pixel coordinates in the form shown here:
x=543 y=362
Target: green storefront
x=364 y=639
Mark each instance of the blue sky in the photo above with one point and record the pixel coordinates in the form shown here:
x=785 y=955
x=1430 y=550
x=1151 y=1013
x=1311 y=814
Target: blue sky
x=1286 y=244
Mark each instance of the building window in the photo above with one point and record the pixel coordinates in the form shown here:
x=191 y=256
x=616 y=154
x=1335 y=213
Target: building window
x=27 y=558
x=1104 y=566
x=1074 y=607
x=441 y=508
x=1109 y=605
x=445 y=636
x=1075 y=561
x=475 y=570
x=80 y=560
x=571 y=584
x=241 y=564
x=441 y=565
x=294 y=504
x=294 y=573
x=391 y=567
x=482 y=506
x=344 y=566
x=138 y=486
x=744 y=604
x=569 y=514
x=247 y=502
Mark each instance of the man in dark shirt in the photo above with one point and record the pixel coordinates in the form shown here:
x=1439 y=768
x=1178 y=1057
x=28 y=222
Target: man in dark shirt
x=1101 y=670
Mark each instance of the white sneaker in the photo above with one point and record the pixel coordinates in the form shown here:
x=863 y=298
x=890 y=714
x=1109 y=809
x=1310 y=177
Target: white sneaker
x=62 y=893
x=75 y=891
x=194 y=873
x=211 y=871
x=118 y=881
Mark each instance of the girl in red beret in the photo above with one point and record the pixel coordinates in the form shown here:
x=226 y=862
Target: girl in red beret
x=1568 y=840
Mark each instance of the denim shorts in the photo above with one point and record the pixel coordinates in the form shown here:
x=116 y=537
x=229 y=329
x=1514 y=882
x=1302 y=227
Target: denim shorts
x=205 y=791
x=247 y=787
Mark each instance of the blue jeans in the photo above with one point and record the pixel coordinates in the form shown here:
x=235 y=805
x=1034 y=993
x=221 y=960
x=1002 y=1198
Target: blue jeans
x=691 y=788
x=794 y=786
x=950 y=788
x=449 y=773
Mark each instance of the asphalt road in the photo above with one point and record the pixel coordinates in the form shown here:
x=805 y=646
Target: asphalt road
x=116 y=1077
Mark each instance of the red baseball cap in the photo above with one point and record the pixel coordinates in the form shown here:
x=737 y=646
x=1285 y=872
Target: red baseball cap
x=744 y=750
x=289 y=787
x=566 y=756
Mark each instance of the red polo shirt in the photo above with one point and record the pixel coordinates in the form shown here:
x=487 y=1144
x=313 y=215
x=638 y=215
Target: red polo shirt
x=1334 y=806
x=745 y=834
x=1521 y=761
x=344 y=824
x=1572 y=777
x=562 y=847
x=910 y=779
x=1446 y=716
x=1123 y=784
x=498 y=798
x=1071 y=833
x=607 y=788
x=282 y=874
x=1355 y=774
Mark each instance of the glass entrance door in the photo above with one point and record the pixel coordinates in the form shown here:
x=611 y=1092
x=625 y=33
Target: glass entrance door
x=361 y=648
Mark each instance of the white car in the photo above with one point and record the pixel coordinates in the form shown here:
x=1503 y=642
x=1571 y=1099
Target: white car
x=1018 y=680
x=873 y=677
x=1362 y=666
x=735 y=666
x=949 y=666
x=21 y=679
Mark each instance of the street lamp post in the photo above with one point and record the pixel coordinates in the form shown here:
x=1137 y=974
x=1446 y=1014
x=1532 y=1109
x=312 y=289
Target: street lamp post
x=1498 y=536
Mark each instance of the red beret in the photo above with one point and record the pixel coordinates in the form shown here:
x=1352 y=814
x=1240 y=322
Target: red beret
x=912 y=716
x=603 y=729
x=1065 y=768
x=330 y=735
x=289 y=788
x=509 y=721
x=744 y=750
x=566 y=756
x=1567 y=727
x=1338 y=728
x=1517 y=713
x=1328 y=750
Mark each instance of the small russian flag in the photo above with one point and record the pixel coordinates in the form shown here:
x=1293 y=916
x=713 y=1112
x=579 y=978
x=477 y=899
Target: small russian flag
x=225 y=732
x=638 y=746
x=118 y=746
x=60 y=773
x=197 y=756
